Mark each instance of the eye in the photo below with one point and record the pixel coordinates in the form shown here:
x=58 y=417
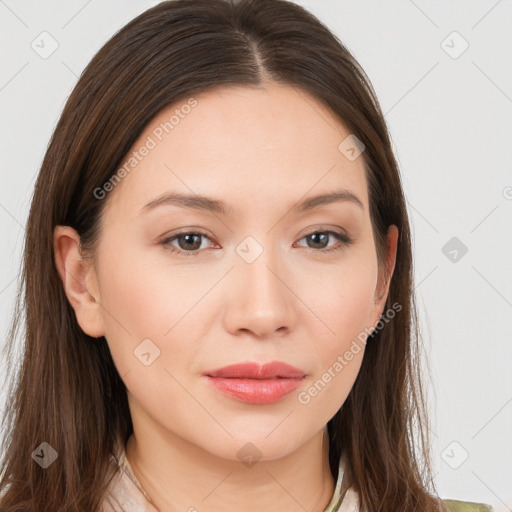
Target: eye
x=319 y=240
x=189 y=242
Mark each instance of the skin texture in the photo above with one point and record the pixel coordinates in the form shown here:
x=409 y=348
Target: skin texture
x=261 y=151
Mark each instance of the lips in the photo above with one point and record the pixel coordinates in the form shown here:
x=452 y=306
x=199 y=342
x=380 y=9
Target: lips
x=275 y=369
x=256 y=384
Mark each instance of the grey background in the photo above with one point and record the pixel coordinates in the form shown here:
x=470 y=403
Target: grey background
x=450 y=120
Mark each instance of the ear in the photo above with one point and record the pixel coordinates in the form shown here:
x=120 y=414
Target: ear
x=76 y=275
x=384 y=279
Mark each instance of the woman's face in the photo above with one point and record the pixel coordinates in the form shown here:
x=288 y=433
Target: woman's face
x=255 y=284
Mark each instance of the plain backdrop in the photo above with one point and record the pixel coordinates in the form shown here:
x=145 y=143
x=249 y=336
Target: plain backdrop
x=443 y=73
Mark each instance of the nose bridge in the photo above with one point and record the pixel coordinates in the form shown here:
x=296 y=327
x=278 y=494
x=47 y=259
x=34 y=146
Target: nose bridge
x=257 y=266
x=261 y=302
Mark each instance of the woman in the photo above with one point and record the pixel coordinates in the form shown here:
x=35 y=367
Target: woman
x=218 y=281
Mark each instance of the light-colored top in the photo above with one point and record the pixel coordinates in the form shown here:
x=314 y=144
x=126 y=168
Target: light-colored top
x=126 y=494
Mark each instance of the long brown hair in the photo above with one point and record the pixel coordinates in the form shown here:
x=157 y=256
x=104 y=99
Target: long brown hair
x=66 y=390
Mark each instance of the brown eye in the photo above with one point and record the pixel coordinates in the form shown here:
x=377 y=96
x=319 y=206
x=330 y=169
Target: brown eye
x=319 y=240
x=188 y=242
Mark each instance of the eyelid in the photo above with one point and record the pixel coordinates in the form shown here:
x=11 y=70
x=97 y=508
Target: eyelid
x=322 y=228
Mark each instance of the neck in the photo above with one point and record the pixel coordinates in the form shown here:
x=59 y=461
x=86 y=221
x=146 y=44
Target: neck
x=180 y=476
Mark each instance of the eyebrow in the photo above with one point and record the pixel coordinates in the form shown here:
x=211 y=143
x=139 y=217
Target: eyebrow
x=201 y=202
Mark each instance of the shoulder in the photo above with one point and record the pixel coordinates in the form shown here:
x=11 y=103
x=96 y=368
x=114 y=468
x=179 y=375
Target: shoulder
x=467 y=506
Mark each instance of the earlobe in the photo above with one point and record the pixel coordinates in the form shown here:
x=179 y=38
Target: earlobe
x=73 y=273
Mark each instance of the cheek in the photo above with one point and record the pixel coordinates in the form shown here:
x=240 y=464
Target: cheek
x=142 y=301
x=338 y=355
x=342 y=298
x=149 y=327
x=343 y=302
x=174 y=306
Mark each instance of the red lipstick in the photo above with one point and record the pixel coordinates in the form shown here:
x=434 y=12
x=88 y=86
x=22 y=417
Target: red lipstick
x=256 y=384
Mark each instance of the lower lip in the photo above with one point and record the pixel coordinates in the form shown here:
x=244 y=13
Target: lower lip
x=256 y=391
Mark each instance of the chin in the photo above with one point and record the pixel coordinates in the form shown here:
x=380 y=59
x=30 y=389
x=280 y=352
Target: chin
x=256 y=444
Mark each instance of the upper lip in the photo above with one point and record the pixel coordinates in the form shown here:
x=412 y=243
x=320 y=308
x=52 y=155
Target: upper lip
x=250 y=370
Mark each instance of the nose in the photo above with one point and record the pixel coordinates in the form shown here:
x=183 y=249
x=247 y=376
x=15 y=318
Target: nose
x=260 y=299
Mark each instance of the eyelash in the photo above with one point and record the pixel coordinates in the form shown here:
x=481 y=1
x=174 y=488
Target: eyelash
x=344 y=239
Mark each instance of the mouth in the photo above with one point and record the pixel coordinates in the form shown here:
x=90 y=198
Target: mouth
x=256 y=384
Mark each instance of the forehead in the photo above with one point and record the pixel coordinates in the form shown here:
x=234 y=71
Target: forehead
x=251 y=146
